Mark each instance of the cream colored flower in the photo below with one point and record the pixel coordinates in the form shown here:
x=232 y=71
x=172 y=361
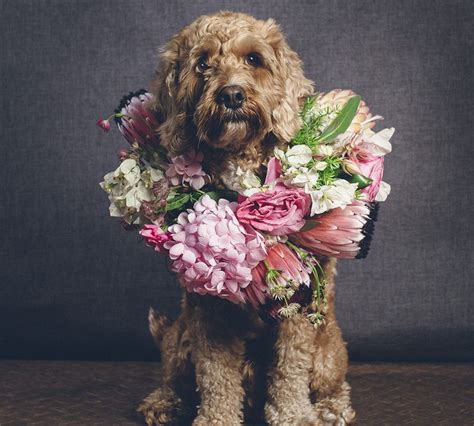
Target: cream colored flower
x=339 y=194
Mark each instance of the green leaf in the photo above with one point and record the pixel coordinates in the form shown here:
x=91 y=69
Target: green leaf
x=361 y=181
x=342 y=121
x=227 y=194
x=177 y=202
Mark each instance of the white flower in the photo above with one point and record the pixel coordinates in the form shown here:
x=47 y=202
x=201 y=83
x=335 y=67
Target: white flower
x=244 y=182
x=378 y=143
x=302 y=177
x=324 y=150
x=128 y=170
x=384 y=191
x=128 y=188
x=299 y=155
x=248 y=180
x=339 y=194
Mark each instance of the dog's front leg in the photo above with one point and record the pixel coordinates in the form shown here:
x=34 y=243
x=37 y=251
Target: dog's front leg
x=218 y=355
x=288 y=400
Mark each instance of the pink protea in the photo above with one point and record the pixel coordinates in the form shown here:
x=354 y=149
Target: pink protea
x=343 y=233
x=187 y=168
x=212 y=252
x=137 y=123
x=290 y=274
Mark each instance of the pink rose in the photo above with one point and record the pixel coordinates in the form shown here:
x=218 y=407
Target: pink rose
x=279 y=211
x=372 y=167
x=155 y=236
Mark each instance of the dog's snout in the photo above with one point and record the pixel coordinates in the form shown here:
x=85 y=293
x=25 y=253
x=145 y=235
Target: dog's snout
x=231 y=96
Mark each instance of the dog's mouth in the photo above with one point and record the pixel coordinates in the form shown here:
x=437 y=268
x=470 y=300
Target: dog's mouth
x=234 y=117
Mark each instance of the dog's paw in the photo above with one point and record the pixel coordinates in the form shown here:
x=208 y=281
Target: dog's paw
x=309 y=421
x=336 y=410
x=161 y=408
x=331 y=418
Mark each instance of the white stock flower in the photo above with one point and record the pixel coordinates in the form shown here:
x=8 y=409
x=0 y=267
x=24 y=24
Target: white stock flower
x=339 y=194
x=324 y=150
x=378 y=143
x=299 y=155
x=384 y=192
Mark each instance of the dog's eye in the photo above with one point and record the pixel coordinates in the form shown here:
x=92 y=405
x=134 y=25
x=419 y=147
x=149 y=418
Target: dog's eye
x=254 y=60
x=202 y=65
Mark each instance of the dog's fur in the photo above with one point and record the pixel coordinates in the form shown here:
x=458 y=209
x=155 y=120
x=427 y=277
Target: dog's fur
x=221 y=363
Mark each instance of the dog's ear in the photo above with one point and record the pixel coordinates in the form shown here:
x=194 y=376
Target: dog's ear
x=296 y=87
x=164 y=88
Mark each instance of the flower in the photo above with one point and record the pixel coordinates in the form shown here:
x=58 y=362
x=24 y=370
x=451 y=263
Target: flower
x=273 y=170
x=372 y=169
x=155 y=236
x=279 y=276
x=339 y=232
x=334 y=100
x=212 y=252
x=104 y=125
x=368 y=153
x=278 y=211
x=299 y=155
x=128 y=187
x=135 y=121
x=338 y=194
x=187 y=168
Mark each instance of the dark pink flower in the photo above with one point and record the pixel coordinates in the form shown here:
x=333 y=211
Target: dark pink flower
x=104 y=125
x=290 y=269
x=279 y=211
x=155 y=236
x=273 y=170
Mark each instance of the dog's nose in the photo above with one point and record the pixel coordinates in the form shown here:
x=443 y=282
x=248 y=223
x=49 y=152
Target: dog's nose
x=231 y=96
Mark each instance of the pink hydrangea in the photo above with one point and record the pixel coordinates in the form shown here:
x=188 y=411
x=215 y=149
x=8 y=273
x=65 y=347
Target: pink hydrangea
x=212 y=252
x=155 y=236
x=187 y=168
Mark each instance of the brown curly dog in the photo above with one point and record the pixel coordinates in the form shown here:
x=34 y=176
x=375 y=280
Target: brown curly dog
x=230 y=85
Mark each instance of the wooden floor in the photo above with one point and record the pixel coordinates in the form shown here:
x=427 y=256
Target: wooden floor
x=92 y=393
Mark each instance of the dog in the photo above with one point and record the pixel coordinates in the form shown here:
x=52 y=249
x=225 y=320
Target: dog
x=229 y=85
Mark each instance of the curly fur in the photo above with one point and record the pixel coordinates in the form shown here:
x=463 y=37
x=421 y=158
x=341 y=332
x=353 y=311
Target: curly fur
x=221 y=364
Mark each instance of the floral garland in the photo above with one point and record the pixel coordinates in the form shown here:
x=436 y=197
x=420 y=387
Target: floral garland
x=260 y=241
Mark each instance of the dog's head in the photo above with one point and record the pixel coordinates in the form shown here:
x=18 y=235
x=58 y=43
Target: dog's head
x=228 y=80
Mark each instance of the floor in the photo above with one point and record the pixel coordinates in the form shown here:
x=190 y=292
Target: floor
x=92 y=393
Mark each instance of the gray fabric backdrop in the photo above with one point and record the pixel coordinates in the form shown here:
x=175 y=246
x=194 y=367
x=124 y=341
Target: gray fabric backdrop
x=74 y=285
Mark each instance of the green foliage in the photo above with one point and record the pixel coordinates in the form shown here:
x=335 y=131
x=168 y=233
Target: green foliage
x=342 y=121
x=177 y=202
x=331 y=172
x=315 y=131
x=312 y=123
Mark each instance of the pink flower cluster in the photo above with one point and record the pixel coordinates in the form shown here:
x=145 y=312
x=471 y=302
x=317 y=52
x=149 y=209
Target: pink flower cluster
x=212 y=252
x=187 y=168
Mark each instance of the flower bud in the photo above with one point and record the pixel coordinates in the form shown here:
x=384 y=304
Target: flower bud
x=104 y=125
x=351 y=167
